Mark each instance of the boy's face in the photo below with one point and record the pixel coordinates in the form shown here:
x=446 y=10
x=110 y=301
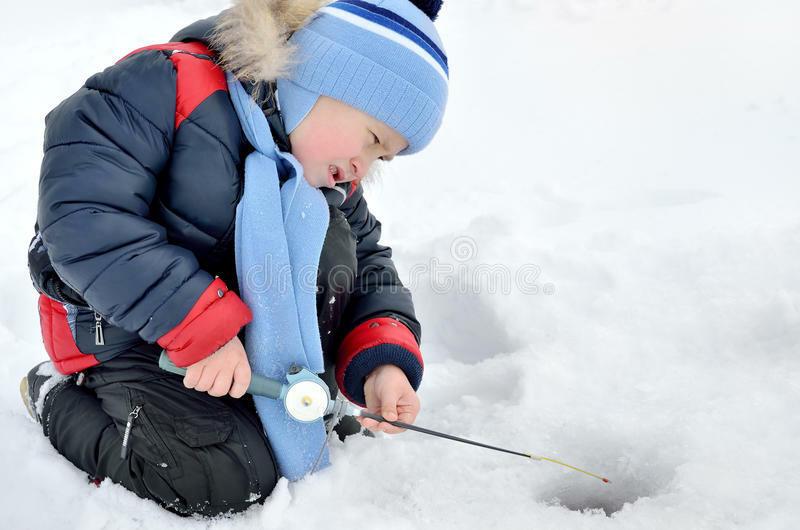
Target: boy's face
x=337 y=143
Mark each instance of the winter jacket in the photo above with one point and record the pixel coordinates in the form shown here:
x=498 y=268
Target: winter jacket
x=141 y=175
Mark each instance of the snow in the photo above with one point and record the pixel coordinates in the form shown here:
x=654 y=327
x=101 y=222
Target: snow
x=636 y=160
x=47 y=369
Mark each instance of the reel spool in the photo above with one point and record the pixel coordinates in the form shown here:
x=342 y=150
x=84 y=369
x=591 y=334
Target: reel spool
x=306 y=398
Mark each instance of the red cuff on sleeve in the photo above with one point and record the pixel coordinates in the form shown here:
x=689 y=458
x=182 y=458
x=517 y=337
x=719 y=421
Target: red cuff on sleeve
x=372 y=332
x=215 y=319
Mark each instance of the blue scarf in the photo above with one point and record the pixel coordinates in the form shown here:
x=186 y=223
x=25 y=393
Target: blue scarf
x=279 y=237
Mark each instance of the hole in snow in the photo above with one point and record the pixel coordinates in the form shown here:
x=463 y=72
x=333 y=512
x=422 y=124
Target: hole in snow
x=631 y=479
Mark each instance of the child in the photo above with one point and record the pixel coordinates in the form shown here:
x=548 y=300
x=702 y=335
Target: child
x=133 y=254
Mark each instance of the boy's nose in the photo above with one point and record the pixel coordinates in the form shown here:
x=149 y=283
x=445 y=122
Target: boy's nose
x=359 y=166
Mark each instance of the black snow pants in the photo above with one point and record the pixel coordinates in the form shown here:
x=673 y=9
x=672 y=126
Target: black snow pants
x=190 y=452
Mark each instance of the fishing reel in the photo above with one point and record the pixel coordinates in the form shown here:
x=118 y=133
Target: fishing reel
x=305 y=396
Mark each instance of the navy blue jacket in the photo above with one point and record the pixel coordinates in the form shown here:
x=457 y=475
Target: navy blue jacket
x=142 y=172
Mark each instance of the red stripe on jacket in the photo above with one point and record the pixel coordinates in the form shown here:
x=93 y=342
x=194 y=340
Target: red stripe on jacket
x=382 y=330
x=196 y=78
x=215 y=319
x=58 y=340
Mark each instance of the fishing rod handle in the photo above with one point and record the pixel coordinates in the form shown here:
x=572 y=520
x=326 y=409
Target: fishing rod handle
x=377 y=417
x=259 y=385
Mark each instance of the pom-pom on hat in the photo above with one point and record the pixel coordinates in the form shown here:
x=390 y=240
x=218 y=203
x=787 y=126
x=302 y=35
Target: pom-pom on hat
x=383 y=57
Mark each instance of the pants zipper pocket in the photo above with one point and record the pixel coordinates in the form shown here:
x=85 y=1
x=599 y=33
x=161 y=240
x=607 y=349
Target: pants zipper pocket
x=123 y=452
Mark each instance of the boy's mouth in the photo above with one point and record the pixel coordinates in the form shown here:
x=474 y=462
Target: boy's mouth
x=335 y=174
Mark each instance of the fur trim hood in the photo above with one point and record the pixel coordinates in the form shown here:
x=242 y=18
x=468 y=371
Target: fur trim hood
x=251 y=36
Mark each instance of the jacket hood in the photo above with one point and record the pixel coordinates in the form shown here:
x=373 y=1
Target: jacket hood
x=251 y=37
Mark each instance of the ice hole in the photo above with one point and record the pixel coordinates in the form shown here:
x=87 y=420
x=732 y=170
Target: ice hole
x=630 y=481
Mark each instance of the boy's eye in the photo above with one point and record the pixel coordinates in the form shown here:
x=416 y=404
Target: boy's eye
x=376 y=141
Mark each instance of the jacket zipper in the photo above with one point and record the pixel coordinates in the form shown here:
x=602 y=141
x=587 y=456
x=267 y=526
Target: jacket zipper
x=99 y=336
x=99 y=339
x=132 y=415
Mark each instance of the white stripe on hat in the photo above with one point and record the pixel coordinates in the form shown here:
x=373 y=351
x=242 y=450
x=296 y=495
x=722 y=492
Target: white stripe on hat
x=404 y=41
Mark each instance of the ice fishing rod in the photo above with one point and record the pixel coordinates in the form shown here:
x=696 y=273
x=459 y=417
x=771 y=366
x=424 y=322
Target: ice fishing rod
x=307 y=398
x=402 y=425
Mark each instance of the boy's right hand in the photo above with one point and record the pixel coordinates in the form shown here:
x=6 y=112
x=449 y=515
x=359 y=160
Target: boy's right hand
x=226 y=371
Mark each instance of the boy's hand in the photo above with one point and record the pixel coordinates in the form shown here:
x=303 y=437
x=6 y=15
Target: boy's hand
x=226 y=371
x=389 y=394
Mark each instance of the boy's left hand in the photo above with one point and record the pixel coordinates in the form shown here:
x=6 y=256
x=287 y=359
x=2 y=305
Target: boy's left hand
x=389 y=394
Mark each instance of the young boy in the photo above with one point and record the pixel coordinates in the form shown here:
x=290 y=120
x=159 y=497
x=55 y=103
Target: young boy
x=133 y=253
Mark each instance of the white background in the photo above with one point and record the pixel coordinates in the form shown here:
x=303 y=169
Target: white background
x=643 y=155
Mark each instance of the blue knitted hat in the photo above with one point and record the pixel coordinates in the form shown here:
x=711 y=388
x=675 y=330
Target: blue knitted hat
x=383 y=57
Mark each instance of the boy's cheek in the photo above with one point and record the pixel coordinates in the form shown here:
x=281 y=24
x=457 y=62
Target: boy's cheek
x=326 y=146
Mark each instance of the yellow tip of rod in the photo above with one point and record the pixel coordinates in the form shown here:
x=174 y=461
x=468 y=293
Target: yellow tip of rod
x=560 y=463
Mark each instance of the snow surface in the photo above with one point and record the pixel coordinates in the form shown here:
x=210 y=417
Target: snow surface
x=637 y=159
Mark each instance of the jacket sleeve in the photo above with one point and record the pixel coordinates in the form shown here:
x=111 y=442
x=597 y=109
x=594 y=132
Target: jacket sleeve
x=380 y=326
x=105 y=147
